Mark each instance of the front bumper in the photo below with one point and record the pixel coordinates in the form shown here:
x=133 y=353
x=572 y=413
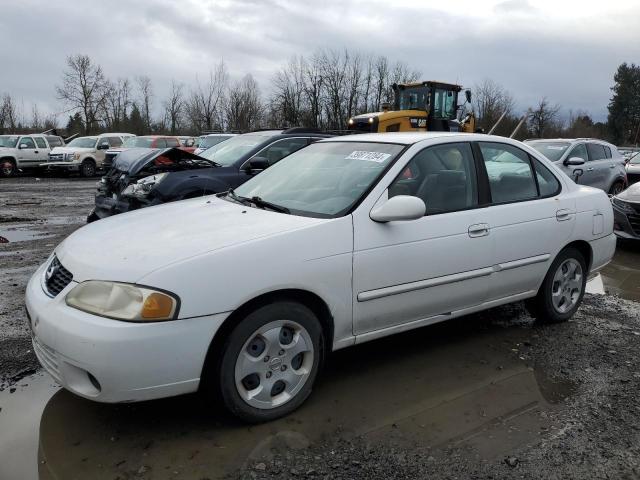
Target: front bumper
x=112 y=361
x=61 y=166
x=626 y=225
x=107 y=206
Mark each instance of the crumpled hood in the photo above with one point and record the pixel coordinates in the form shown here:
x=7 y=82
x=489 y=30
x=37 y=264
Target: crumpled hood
x=71 y=150
x=129 y=246
x=133 y=160
x=631 y=194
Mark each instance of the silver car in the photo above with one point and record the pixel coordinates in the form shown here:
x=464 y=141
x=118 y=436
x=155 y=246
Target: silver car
x=601 y=164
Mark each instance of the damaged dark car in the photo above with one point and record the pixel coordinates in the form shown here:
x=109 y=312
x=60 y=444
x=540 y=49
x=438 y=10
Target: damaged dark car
x=141 y=177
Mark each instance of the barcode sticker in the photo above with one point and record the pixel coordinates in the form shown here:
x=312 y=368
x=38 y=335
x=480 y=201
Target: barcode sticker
x=377 y=157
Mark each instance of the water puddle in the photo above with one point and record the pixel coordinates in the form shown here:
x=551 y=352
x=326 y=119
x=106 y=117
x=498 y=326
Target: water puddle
x=456 y=383
x=68 y=220
x=622 y=276
x=21 y=235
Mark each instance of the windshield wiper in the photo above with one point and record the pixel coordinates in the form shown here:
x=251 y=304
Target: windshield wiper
x=237 y=198
x=264 y=204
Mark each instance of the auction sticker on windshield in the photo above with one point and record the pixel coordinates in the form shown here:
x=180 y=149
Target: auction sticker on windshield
x=377 y=157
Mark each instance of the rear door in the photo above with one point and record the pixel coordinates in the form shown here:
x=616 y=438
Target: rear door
x=529 y=219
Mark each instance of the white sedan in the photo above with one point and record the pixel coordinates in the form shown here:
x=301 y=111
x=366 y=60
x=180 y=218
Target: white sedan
x=243 y=294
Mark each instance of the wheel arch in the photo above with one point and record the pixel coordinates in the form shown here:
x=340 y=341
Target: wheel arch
x=309 y=299
x=584 y=248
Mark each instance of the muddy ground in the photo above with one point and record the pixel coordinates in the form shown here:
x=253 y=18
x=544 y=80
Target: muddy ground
x=486 y=396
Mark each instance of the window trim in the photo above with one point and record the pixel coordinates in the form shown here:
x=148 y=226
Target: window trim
x=533 y=170
x=477 y=177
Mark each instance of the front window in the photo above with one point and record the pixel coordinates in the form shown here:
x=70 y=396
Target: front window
x=232 y=150
x=208 y=142
x=83 y=142
x=324 y=179
x=8 y=141
x=552 y=150
x=413 y=98
x=444 y=103
x=138 y=142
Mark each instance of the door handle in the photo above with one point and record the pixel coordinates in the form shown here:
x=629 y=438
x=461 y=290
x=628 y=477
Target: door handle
x=590 y=169
x=478 y=230
x=35 y=151
x=563 y=214
x=612 y=166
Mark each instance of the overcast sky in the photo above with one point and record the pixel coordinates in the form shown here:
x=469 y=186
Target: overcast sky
x=565 y=50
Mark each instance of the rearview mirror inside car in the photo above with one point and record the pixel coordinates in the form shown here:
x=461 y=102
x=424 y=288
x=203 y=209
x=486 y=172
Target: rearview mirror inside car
x=400 y=207
x=575 y=161
x=258 y=163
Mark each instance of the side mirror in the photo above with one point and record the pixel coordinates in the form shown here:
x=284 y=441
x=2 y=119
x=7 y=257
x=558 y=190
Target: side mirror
x=400 y=207
x=574 y=161
x=22 y=146
x=103 y=146
x=258 y=163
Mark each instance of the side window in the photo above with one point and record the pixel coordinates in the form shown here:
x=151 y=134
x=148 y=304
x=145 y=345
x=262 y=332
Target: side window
x=114 y=141
x=548 y=184
x=28 y=141
x=510 y=175
x=579 y=151
x=54 y=141
x=172 y=142
x=444 y=177
x=40 y=142
x=278 y=150
x=161 y=143
x=607 y=151
x=596 y=151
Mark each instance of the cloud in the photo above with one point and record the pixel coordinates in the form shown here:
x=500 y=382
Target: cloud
x=534 y=48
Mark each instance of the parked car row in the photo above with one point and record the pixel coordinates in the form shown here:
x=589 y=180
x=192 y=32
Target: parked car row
x=339 y=240
x=25 y=151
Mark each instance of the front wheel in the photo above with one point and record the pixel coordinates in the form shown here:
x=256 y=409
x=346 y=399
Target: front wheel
x=270 y=361
x=88 y=169
x=562 y=289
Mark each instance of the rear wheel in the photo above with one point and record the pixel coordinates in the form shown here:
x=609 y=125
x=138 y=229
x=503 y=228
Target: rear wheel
x=616 y=188
x=562 y=289
x=7 y=167
x=270 y=361
x=88 y=168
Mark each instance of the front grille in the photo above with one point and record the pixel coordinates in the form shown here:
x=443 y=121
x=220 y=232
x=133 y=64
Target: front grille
x=47 y=358
x=634 y=221
x=108 y=159
x=56 y=277
x=56 y=157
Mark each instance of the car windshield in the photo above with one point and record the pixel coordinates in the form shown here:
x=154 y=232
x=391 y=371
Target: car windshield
x=83 y=142
x=208 y=142
x=8 y=141
x=552 y=150
x=324 y=179
x=228 y=152
x=138 y=142
x=635 y=159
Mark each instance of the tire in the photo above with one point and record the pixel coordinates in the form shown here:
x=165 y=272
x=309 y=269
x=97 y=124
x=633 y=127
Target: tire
x=88 y=168
x=562 y=290
x=277 y=348
x=7 y=167
x=616 y=188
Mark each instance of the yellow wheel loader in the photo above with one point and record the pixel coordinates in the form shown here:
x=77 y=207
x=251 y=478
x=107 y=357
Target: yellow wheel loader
x=419 y=107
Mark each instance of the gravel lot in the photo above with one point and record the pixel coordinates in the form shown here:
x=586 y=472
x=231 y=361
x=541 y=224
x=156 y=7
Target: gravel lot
x=492 y=395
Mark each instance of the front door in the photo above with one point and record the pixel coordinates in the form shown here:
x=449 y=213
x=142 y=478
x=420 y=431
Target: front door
x=408 y=271
x=27 y=153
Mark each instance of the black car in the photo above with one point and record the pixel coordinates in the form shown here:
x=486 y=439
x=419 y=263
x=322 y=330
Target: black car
x=142 y=177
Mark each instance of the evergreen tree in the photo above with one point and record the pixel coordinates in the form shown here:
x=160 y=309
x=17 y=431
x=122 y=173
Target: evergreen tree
x=75 y=124
x=136 y=122
x=624 y=108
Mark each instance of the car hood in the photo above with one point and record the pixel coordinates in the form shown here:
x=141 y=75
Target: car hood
x=631 y=194
x=71 y=150
x=127 y=247
x=133 y=160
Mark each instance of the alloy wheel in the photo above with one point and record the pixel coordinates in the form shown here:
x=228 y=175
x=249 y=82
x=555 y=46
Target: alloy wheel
x=274 y=364
x=567 y=285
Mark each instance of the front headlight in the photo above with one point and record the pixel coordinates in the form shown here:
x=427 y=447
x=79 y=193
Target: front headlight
x=143 y=187
x=123 y=301
x=621 y=205
x=72 y=156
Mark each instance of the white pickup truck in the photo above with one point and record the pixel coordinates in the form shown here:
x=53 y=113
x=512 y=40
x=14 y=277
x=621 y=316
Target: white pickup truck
x=22 y=152
x=84 y=154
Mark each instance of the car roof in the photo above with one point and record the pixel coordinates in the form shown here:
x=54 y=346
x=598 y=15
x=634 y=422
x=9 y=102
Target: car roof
x=569 y=140
x=112 y=134
x=409 y=138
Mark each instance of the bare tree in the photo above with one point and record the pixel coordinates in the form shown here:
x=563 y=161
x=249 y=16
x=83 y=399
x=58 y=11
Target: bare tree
x=8 y=114
x=543 y=117
x=288 y=101
x=146 y=94
x=84 y=87
x=490 y=101
x=206 y=101
x=35 y=118
x=243 y=108
x=174 y=107
x=117 y=103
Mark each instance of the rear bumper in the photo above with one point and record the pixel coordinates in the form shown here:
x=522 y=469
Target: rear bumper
x=603 y=250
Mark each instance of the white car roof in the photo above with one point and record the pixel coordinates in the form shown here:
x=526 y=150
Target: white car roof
x=409 y=138
x=116 y=135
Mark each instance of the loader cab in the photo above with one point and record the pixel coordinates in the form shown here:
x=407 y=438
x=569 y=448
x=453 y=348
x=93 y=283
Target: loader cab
x=438 y=100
